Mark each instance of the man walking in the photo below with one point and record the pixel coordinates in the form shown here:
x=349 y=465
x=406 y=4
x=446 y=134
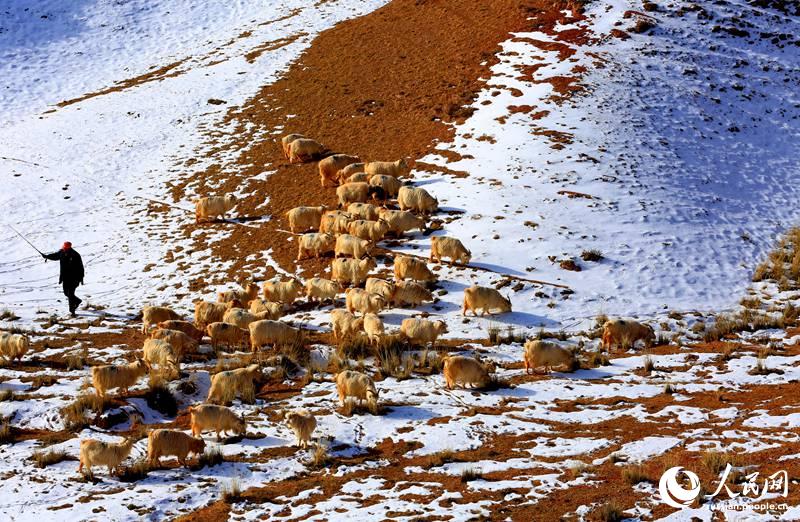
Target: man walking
x=71 y=274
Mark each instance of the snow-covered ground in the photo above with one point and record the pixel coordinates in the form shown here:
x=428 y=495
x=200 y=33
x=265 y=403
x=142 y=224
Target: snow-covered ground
x=80 y=173
x=682 y=137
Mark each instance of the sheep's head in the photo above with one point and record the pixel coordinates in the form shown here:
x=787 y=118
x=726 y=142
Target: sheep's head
x=197 y=445
x=230 y=201
x=241 y=425
x=506 y=306
x=295 y=285
x=402 y=164
x=368 y=263
x=441 y=327
x=650 y=335
x=372 y=394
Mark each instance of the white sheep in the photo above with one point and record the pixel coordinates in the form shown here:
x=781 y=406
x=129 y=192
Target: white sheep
x=152 y=315
x=227 y=334
x=329 y=167
x=344 y=174
x=302 y=150
x=443 y=246
x=358 y=300
x=381 y=287
x=397 y=169
x=373 y=327
x=352 y=193
x=217 y=418
x=406 y=267
x=213 y=206
x=335 y=222
x=422 y=331
x=206 y=312
x=13 y=346
x=465 y=370
x=243 y=295
x=108 y=376
x=344 y=324
x=370 y=230
x=100 y=453
x=302 y=423
x=348 y=245
x=272 y=333
x=416 y=199
x=389 y=184
x=266 y=309
x=542 y=353
x=302 y=219
x=282 y=291
x=318 y=288
x=164 y=443
x=286 y=143
x=352 y=271
x=315 y=244
x=226 y=385
x=164 y=355
x=357 y=385
x=366 y=211
x=401 y=221
x=484 y=299
x=410 y=293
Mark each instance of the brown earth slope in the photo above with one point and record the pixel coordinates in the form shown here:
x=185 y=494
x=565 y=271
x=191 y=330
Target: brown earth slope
x=383 y=86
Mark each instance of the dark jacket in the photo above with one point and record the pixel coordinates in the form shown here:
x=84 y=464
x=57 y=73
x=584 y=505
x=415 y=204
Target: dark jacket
x=71 y=266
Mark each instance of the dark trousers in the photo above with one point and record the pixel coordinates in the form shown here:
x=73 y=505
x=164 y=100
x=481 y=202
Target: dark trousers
x=69 y=291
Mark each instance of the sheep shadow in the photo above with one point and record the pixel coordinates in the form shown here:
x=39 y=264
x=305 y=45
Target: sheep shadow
x=521 y=319
x=407 y=412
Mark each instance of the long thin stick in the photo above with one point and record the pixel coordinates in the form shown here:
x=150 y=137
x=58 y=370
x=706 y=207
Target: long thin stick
x=24 y=239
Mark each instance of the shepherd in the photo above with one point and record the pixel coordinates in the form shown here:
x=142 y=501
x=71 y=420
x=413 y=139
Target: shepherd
x=71 y=274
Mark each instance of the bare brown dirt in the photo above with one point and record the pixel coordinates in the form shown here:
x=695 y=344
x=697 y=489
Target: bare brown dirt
x=383 y=86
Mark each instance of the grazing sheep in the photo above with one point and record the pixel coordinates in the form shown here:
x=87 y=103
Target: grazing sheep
x=401 y=221
x=358 y=177
x=625 y=332
x=379 y=286
x=406 y=267
x=302 y=150
x=366 y=211
x=542 y=353
x=206 y=312
x=397 y=169
x=465 y=370
x=410 y=293
x=329 y=167
x=352 y=193
x=347 y=245
x=109 y=376
x=152 y=315
x=316 y=244
x=101 y=453
x=422 y=331
x=13 y=346
x=272 y=333
x=213 y=206
x=335 y=222
x=165 y=443
x=357 y=385
x=266 y=309
x=244 y=295
x=164 y=355
x=227 y=335
x=344 y=174
x=242 y=318
x=177 y=339
x=390 y=184
x=226 y=385
x=344 y=324
x=358 y=300
x=352 y=271
x=373 y=326
x=183 y=326
x=442 y=246
x=371 y=230
x=303 y=424
x=286 y=142
x=303 y=219
x=484 y=299
x=217 y=418
x=284 y=292
x=321 y=289
x=416 y=199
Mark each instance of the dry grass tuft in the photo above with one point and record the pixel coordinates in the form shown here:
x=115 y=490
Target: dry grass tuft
x=160 y=397
x=320 y=458
x=648 y=365
x=42 y=459
x=6 y=433
x=77 y=360
x=6 y=395
x=469 y=474
x=210 y=458
x=635 y=474
x=232 y=492
x=609 y=512
x=715 y=461
x=440 y=457
x=75 y=412
x=592 y=255
x=6 y=314
x=136 y=471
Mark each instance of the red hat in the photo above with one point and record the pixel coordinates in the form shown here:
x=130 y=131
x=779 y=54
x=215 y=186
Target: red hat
x=67 y=245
